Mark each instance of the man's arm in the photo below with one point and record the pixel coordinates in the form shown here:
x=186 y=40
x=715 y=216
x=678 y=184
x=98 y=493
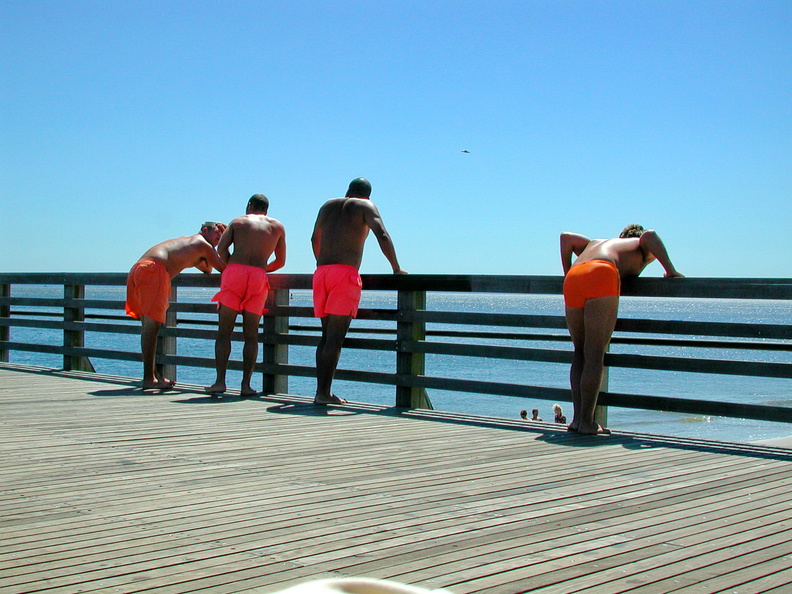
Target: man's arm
x=571 y=243
x=316 y=236
x=280 y=254
x=210 y=260
x=650 y=242
x=374 y=222
x=224 y=245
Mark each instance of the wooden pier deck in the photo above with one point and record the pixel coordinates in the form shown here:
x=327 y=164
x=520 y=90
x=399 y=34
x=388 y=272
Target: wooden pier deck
x=105 y=489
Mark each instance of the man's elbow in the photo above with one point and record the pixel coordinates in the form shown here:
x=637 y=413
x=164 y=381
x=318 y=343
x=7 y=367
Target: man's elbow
x=276 y=264
x=649 y=237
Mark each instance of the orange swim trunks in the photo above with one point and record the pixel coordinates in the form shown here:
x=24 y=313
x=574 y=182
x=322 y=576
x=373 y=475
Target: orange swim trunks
x=148 y=290
x=243 y=288
x=589 y=280
x=336 y=290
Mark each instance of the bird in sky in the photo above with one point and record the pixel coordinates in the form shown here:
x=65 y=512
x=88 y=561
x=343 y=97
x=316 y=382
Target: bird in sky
x=465 y=151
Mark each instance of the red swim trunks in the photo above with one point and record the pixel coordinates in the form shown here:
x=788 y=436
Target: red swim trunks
x=148 y=290
x=336 y=290
x=243 y=288
x=589 y=280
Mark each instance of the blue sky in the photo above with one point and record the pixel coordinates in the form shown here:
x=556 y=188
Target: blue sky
x=127 y=123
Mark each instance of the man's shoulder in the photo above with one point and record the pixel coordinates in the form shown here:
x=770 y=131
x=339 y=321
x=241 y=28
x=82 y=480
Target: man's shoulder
x=240 y=220
x=276 y=224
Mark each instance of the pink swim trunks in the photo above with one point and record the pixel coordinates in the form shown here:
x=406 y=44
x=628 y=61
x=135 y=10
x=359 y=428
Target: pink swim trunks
x=336 y=290
x=243 y=288
x=589 y=280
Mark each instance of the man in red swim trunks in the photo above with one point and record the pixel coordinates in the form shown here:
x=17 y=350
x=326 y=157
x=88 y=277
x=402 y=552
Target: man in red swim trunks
x=149 y=288
x=338 y=238
x=244 y=285
x=591 y=295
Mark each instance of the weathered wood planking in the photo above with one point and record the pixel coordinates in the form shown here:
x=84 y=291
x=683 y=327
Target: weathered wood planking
x=105 y=489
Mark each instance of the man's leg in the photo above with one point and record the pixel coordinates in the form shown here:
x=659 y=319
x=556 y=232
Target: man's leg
x=250 y=329
x=334 y=329
x=152 y=378
x=574 y=319
x=225 y=327
x=599 y=317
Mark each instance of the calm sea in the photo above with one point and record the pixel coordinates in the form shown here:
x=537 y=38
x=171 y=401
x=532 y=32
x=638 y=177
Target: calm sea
x=776 y=391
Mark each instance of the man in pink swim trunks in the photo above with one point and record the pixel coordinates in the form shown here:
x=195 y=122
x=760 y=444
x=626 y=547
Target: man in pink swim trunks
x=149 y=288
x=244 y=285
x=338 y=239
x=591 y=295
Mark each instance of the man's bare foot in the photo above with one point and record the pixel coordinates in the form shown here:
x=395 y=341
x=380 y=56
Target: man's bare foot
x=325 y=400
x=164 y=382
x=247 y=393
x=215 y=388
x=594 y=430
x=157 y=385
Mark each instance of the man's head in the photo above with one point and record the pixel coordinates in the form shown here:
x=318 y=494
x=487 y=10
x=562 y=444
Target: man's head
x=632 y=231
x=212 y=232
x=359 y=188
x=258 y=204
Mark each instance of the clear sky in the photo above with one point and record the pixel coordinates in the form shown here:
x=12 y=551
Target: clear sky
x=127 y=123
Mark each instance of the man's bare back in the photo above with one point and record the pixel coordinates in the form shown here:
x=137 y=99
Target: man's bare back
x=185 y=252
x=345 y=221
x=626 y=254
x=630 y=254
x=255 y=237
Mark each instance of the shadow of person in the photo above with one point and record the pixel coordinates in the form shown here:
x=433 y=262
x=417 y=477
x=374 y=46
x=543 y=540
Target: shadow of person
x=309 y=409
x=129 y=391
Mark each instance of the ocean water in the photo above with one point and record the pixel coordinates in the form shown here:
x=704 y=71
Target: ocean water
x=771 y=391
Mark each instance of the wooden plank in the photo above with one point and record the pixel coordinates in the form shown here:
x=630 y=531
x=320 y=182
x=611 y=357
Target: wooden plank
x=104 y=489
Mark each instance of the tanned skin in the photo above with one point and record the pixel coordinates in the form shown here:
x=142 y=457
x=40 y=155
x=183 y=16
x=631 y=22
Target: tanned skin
x=176 y=255
x=591 y=326
x=339 y=236
x=255 y=238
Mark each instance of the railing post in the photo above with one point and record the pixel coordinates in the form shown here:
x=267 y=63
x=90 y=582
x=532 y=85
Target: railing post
x=166 y=345
x=278 y=354
x=5 y=331
x=74 y=338
x=410 y=364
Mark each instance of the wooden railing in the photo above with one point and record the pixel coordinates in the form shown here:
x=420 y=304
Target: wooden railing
x=404 y=333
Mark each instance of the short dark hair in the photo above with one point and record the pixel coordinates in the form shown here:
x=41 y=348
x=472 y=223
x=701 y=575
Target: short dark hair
x=359 y=187
x=632 y=231
x=258 y=203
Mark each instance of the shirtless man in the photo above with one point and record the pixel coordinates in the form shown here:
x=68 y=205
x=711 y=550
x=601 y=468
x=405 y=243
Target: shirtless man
x=338 y=238
x=149 y=288
x=244 y=285
x=591 y=295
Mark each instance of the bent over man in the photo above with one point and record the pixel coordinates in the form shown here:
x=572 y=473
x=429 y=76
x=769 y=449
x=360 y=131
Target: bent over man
x=244 y=285
x=339 y=236
x=592 y=286
x=149 y=288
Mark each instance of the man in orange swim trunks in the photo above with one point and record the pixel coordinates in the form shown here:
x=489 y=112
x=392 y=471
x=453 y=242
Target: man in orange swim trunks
x=338 y=239
x=149 y=288
x=591 y=295
x=244 y=285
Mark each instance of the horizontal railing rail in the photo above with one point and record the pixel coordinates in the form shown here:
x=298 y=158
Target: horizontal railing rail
x=411 y=331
